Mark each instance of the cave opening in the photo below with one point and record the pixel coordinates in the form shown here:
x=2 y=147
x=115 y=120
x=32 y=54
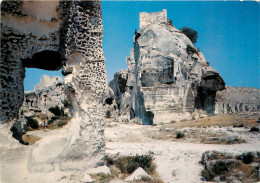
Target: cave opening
x=43 y=87
x=47 y=60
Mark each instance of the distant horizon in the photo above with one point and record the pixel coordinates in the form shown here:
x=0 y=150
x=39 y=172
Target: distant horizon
x=228 y=36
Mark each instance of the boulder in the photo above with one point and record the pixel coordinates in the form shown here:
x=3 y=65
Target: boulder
x=100 y=169
x=138 y=174
x=86 y=179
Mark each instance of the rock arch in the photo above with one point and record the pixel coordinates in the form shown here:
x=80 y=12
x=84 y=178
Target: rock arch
x=65 y=34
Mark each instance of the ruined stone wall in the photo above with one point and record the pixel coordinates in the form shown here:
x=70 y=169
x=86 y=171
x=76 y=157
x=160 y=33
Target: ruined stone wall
x=146 y=19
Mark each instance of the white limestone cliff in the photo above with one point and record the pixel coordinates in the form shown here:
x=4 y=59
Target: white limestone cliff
x=164 y=80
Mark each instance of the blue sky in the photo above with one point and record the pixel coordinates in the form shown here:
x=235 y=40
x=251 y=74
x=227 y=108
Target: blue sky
x=229 y=36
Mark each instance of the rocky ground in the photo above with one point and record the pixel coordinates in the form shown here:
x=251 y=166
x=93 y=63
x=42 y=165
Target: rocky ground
x=177 y=159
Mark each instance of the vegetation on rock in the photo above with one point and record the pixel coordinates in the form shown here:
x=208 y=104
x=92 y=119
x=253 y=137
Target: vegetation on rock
x=190 y=33
x=66 y=103
x=191 y=49
x=179 y=135
x=57 y=111
x=33 y=123
x=228 y=168
x=129 y=164
x=122 y=84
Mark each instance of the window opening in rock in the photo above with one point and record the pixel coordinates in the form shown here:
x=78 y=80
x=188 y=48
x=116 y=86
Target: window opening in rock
x=45 y=102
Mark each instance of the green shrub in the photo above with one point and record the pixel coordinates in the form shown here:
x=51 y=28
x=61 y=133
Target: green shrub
x=254 y=129
x=190 y=33
x=208 y=174
x=129 y=164
x=109 y=161
x=122 y=84
x=57 y=111
x=219 y=168
x=122 y=163
x=191 y=49
x=169 y=21
x=66 y=103
x=33 y=123
x=144 y=161
x=246 y=158
x=62 y=122
x=179 y=135
x=132 y=166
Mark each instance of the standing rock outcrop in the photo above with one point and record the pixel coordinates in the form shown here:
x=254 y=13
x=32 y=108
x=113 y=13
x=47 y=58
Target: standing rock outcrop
x=168 y=78
x=53 y=35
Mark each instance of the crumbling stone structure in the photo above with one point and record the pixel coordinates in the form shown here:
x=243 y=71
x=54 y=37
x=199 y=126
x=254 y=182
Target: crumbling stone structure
x=146 y=19
x=53 y=35
x=46 y=94
x=165 y=82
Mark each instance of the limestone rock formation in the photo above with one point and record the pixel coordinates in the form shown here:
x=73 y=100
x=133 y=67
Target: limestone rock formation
x=166 y=81
x=48 y=93
x=122 y=99
x=53 y=35
x=138 y=174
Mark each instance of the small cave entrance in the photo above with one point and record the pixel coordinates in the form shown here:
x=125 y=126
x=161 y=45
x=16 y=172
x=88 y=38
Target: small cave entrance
x=205 y=100
x=47 y=60
x=109 y=101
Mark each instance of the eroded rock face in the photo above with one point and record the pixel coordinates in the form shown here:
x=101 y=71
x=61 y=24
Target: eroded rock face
x=166 y=81
x=46 y=94
x=51 y=35
x=25 y=38
x=121 y=97
x=237 y=99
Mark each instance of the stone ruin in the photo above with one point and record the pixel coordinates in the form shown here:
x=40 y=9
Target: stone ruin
x=53 y=35
x=146 y=19
x=46 y=94
x=164 y=82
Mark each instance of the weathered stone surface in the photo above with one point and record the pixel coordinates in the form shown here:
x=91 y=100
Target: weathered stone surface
x=165 y=81
x=51 y=35
x=152 y=18
x=48 y=93
x=237 y=99
x=98 y=170
x=121 y=97
x=86 y=179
